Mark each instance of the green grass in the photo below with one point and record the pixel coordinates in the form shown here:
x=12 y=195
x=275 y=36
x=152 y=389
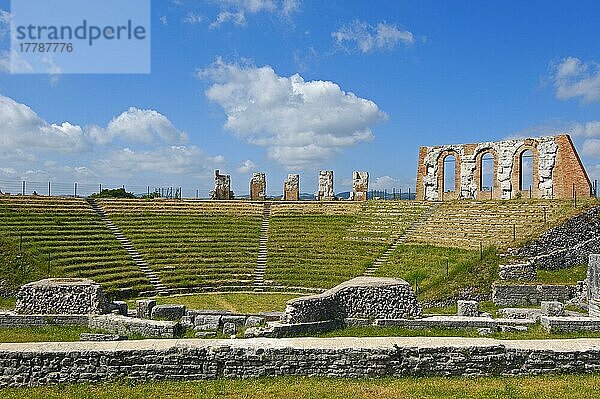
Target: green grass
x=73 y=235
x=569 y=275
x=427 y=265
x=310 y=251
x=237 y=302
x=538 y=387
x=534 y=332
x=7 y=303
x=42 y=334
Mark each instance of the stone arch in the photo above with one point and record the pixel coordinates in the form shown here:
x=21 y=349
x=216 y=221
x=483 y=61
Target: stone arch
x=452 y=194
x=529 y=145
x=495 y=192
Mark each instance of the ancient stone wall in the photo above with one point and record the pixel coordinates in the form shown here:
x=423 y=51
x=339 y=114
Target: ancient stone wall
x=61 y=296
x=35 y=364
x=222 y=189
x=130 y=325
x=557 y=170
x=291 y=188
x=593 y=285
x=325 y=191
x=362 y=297
x=568 y=244
x=360 y=186
x=531 y=294
x=11 y=319
x=258 y=187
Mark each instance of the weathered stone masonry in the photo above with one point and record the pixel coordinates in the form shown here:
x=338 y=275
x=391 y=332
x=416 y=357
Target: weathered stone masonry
x=258 y=187
x=556 y=165
x=34 y=364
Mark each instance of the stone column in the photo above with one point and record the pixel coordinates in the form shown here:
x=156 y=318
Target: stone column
x=258 y=187
x=222 y=189
x=593 y=277
x=291 y=188
x=325 y=192
x=360 y=186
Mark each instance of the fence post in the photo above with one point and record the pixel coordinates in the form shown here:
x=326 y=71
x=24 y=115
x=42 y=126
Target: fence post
x=75 y=190
x=49 y=189
x=23 y=187
x=409 y=194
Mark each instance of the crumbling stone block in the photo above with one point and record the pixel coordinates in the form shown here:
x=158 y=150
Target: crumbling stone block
x=360 y=186
x=168 y=312
x=361 y=297
x=468 y=308
x=222 y=189
x=143 y=308
x=553 y=308
x=291 y=188
x=325 y=192
x=229 y=329
x=207 y=322
x=61 y=296
x=593 y=277
x=258 y=187
x=254 y=321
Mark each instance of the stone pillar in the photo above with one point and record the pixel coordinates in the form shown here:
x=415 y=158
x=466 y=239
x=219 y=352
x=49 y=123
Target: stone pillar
x=360 y=186
x=222 y=189
x=325 y=192
x=593 y=277
x=291 y=188
x=258 y=187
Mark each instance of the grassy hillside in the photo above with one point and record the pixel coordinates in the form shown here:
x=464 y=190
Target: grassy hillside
x=214 y=245
x=73 y=236
x=192 y=244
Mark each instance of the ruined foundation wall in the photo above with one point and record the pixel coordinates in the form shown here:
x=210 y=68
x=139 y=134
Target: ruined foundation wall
x=360 y=186
x=325 y=192
x=35 y=364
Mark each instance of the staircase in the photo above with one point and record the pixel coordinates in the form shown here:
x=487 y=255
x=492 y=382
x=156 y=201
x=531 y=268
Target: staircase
x=128 y=246
x=261 y=262
x=399 y=240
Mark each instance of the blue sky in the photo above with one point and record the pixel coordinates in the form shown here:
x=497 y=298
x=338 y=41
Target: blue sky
x=297 y=86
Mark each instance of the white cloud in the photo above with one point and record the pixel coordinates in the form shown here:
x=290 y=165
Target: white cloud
x=164 y=20
x=5 y=18
x=173 y=160
x=235 y=11
x=558 y=126
x=32 y=148
x=591 y=148
x=193 y=19
x=385 y=183
x=299 y=122
x=139 y=126
x=573 y=78
x=238 y=18
x=247 y=166
x=367 y=38
x=22 y=127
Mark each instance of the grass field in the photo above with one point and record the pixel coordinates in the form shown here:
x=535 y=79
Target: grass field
x=42 y=334
x=441 y=272
x=538 y=387
x=237 y=302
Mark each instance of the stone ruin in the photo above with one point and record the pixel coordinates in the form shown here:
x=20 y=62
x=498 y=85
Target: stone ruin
x=222 y=189
x=325 y=191
x=360 y=186
x=61 y=296
x=258 y=187
x=593 y=285
x=557 y=170
x=361 y=297
x=291 y=188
